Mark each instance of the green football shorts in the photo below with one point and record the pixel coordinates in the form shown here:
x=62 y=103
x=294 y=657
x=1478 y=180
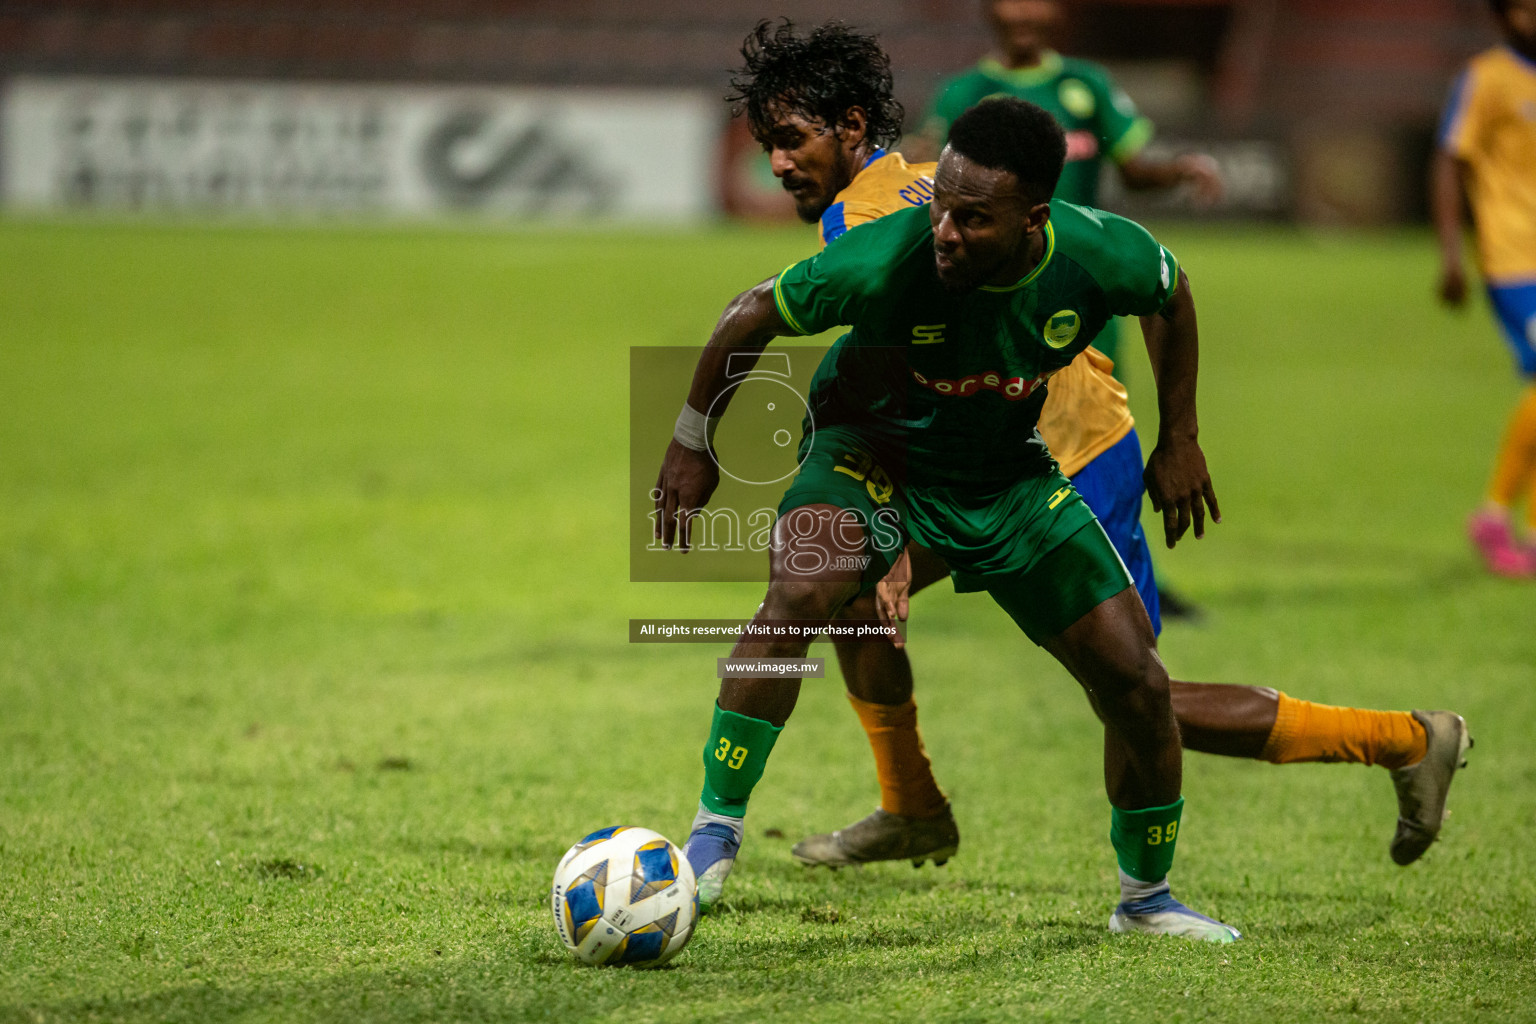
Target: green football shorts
x=1032 y=543
x=840 y=466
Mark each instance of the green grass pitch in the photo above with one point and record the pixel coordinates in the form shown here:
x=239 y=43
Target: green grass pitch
x=313 y=604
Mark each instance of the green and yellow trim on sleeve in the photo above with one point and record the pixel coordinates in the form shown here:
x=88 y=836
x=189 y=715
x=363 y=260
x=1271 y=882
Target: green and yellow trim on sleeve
x=1050 y=249
x=782 y=305
x=1178 y=270
x=1132 y=141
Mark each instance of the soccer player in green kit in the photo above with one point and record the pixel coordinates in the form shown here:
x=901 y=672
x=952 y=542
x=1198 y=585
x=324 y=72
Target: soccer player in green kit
x=1100 y=121
x=960 y=312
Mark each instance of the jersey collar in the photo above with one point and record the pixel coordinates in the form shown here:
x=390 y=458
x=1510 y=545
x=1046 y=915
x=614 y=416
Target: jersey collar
x=1049 y=67
x=1050 y=248
x=876 y=155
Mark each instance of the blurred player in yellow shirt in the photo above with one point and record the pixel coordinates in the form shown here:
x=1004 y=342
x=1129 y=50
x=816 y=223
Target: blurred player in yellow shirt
x=821 y=106
x=1488 y=150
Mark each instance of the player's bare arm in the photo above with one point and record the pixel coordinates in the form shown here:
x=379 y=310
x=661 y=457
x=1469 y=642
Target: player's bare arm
x=1197 y=170
x=1447 y=197
x=688 y=474
x=1178 y=483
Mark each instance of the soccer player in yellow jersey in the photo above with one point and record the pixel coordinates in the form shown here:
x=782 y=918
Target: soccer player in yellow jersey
x=821 y=106
x=1488 y=149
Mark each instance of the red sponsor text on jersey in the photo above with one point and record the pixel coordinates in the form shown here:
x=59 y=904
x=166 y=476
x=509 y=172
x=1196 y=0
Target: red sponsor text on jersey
x=1011 y=388
x=1082 y=146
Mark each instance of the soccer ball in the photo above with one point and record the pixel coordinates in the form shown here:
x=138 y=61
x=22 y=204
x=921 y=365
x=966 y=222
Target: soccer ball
x=624 y=895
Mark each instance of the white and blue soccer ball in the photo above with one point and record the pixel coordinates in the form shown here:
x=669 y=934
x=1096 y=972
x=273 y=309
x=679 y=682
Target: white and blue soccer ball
x=625 y=895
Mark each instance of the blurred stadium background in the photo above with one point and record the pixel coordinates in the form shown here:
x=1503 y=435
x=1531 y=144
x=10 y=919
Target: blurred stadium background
x=1320 y=110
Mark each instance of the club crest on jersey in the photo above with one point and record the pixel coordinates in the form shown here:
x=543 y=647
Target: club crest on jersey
x=1012 y=388
x=1062 y=327
x=1077 y=98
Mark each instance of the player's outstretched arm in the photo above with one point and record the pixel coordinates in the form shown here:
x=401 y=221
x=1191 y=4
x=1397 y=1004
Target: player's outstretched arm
x=689 y=474
x=1446 y=192
x=1197 y=170
x=1178 y=483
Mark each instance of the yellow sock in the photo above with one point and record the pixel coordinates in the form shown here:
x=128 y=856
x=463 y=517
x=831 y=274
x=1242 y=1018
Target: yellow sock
x=1514 y=471
x=1305 y=731
x=907 y=785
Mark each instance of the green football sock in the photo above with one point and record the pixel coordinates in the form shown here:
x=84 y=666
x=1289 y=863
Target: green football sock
x=1144 y=839
x=734 y=759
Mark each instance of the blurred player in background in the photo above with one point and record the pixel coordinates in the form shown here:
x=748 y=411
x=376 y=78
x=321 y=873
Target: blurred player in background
x=1487 y=152
x=822 y=107
x=1101 y=122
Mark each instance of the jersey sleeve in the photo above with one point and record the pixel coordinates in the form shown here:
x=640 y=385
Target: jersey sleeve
x=1123 y=131
x=825 y=291
x=1138 y=275
x=845 y=214
x=1461 y=120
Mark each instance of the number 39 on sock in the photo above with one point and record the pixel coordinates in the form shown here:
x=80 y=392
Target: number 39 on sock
x=736 y=756
x=1157 y=835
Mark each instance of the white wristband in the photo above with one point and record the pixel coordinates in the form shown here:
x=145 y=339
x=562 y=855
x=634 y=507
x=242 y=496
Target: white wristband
x=695 y=430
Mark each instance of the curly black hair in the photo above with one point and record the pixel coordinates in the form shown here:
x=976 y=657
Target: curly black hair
x=1008 y=134
x=818 y=76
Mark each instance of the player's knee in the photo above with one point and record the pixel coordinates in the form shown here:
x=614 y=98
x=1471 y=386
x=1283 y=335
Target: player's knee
x=805 y=599
x=860 y=609
x=1136 y=692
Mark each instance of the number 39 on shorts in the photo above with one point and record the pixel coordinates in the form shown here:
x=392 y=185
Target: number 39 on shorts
x=735 y=755
x=1157 y=835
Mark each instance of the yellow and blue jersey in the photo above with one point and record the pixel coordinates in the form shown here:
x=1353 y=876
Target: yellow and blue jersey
x=1087 y=410
x=884 y=184
x=1490 y=125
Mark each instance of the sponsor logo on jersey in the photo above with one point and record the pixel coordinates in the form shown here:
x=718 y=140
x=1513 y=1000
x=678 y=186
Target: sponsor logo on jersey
x=1077 y=98
x=1011 y=388
x=1081 y=146
x=1062 y=327
x=928 y=334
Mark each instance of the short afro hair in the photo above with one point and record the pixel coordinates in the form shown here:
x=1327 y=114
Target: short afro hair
x=819 y=76
x=1011 y=135
x=1500 y=7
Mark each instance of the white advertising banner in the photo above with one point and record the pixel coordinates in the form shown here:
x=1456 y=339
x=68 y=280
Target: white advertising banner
x=275 y=148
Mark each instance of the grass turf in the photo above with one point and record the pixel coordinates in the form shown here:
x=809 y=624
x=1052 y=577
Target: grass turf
x=313 y=597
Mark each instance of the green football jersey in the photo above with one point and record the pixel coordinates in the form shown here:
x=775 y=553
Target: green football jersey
x=947 y=383
x=1098 y=117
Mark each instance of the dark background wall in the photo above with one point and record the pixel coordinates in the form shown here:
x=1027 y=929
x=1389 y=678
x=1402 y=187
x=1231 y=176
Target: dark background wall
x=1351 y=88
